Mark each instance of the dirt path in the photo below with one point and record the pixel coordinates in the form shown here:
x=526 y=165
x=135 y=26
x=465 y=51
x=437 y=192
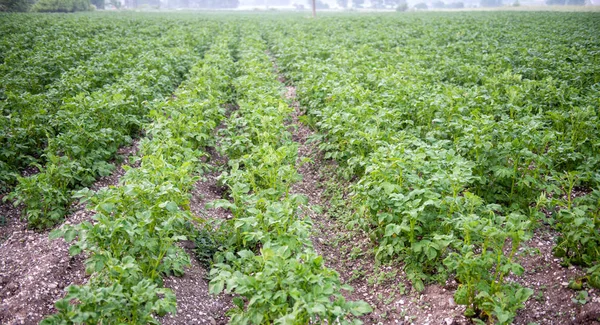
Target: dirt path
x=343 y=250
x=195 y=305
x=34 y=270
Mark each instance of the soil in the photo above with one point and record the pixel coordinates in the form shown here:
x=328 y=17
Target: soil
x=195 y=305
x=552 y=301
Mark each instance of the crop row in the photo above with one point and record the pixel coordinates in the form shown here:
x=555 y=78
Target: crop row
x=32 y=119
x=266 y=257
x=88 y=129
x=454 y=158
x=132 y=242
x=36 y=56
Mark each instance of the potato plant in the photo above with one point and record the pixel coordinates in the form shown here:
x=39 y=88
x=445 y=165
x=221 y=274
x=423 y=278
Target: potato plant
x=268 y=260
x=90 y=128
x=459 y=134
x=443 y=127
x=131 y=243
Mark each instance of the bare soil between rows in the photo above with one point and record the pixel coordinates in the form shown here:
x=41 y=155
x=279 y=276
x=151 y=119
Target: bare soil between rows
x=195 y=305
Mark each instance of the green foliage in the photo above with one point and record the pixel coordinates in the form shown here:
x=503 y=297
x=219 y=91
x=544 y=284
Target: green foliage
x=102 y=108
x=269 y=294
x=268 y=260
x=33 y=89
x=486 y=294
x=453 y=143
x=578 y=220
x=132 y=242
x=581 y=298
x=436 y=151
x=593 y=276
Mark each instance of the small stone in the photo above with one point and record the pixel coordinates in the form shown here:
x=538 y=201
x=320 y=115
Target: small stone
x=451 y=302
x=401 y=301
x=448 y=321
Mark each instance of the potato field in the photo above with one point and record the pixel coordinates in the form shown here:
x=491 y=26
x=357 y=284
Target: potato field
x=271 y=168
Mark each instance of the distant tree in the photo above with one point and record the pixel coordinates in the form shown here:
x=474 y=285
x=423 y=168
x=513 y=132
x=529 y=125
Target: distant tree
x=61 y=5
x=217 y=4
x=358 y=3
x=377 y=4
x=393 y=3
x=133 y=4
x=321 y=5
x=565 y=2
x=455 y=5
x=402 y=6
x=491 y=3
x=149 y=3
x=421 y=6
x=15 y=5
x=98 y=3
x=438 y=4
x=342 y=3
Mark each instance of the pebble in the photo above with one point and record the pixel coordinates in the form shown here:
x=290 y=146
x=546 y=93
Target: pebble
x=451 y=302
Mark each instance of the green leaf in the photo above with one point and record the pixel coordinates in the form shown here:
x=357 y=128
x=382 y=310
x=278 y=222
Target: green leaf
x=239 y=302
x=318 y=309
x=216 y=286
x=361 y=308
x=70 y=234
x=74 y=250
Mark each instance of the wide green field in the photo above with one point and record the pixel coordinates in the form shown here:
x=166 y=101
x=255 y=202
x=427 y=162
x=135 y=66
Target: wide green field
x=271 y=168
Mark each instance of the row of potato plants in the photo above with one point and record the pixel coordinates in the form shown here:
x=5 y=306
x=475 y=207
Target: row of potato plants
x=30 y=118
x=36 y=60
x=41 y=49
x=266 y=257
x=450 y=170
x=89 y=128
x=132 y=241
